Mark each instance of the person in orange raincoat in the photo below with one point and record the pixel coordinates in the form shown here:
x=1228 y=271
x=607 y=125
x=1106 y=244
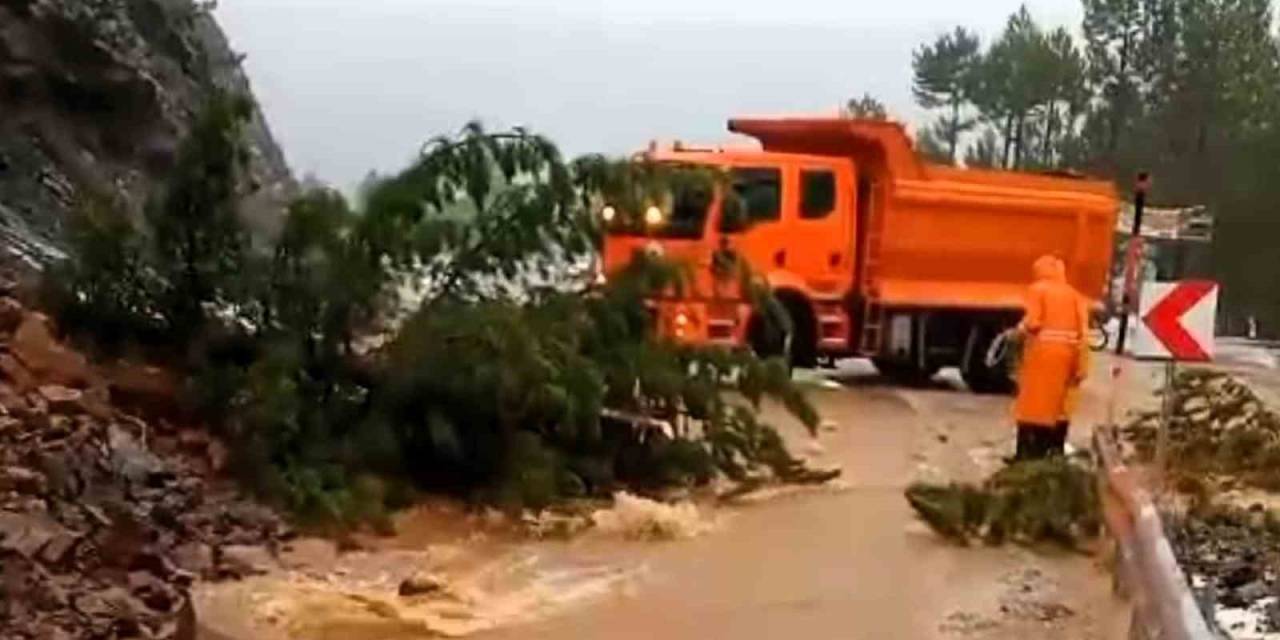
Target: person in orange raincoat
x=1053 y=327
x=1084 y=360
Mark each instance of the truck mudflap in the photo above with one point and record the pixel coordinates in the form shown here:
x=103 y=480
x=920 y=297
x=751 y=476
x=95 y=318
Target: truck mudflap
x=834 y=327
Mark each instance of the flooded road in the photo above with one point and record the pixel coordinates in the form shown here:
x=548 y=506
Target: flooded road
x=845 y=561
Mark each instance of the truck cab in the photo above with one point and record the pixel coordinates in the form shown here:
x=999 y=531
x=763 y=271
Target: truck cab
x=869 y=250
x=793 y=220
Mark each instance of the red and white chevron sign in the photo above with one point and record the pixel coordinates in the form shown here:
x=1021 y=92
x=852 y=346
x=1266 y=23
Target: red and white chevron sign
x=1177 y=320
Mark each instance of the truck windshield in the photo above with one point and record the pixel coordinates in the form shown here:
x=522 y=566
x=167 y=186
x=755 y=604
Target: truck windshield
x=685 y=218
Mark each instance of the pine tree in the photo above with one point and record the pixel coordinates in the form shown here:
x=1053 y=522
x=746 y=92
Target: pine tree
x=868 y=107
x=198 y=239
x=944 y=78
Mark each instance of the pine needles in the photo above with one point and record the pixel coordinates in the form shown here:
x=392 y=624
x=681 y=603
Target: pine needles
x=1051 y=500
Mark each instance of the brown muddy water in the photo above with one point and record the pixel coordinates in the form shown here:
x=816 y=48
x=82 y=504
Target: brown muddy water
x=846 y=561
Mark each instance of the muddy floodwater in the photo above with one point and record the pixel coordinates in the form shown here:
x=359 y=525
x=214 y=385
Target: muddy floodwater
x=844 y=561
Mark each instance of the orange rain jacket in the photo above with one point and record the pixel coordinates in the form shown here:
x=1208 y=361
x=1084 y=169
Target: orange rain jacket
x=1054 y=325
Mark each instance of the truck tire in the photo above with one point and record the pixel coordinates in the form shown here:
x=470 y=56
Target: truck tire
x=904 y=373
x=803 y=350
x=982 y=378
x=767 y=339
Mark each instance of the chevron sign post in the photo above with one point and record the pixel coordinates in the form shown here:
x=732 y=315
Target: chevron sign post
x=1175 y=325
x=1176 y=321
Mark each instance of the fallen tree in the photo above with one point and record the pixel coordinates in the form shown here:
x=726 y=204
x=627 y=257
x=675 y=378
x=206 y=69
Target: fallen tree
x=1052 y=500
x=430 y=338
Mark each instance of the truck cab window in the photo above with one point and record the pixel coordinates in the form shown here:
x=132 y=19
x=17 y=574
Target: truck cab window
x=818 y=194
x=757 y=197
x=689 y=207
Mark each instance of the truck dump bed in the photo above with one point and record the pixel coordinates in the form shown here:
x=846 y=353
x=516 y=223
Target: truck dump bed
x=953 y=237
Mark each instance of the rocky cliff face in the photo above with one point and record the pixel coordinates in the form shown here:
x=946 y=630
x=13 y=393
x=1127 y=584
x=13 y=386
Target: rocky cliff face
x=95 y=96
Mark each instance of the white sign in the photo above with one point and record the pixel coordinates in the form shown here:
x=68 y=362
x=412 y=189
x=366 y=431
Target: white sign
x=1176 y=320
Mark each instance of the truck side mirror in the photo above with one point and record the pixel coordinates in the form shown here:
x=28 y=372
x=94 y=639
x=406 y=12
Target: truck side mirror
x=733 y=216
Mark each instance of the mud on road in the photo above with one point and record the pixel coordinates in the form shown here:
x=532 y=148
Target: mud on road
x=843 y=561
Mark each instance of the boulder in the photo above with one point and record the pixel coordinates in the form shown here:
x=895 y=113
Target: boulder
x=1253 y=591
x=62 y=400
x=194 y=557
x=45 y=357
x=16 y=373
x=22 y=480
x=122 y=543
x=49 y=594
x=129 y=458
x=59 y=547
x=423 y=583
x=11 y=314
x=96 y=401
x=150 y=390
x=10 y=400
x=217 y=455
x=244 y=560
x=27 y=534
x=153 y=592
x=110 y=608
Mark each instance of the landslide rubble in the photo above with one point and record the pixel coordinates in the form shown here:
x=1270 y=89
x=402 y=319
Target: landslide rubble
x=1224 y=463
x=107 y=519
x=1219 y=428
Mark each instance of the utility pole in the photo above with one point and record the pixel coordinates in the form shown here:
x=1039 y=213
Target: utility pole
x=1129 y=302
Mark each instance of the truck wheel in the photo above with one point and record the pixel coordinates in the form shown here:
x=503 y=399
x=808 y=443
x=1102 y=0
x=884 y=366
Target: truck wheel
x=904 y=373
x=767 y=339
x=981 y=378
x=803 y=350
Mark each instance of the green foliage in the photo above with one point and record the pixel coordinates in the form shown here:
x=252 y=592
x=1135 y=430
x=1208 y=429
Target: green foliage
x=1052 y=500
x=197 y=239
x=478 y=214
x=107 y=288
x=632 y=185
x=165 y=281
x=934 y=142
x=1187 y=90
x=944 y=77
x=496 y=383
x=867 y=107
x=522 y=420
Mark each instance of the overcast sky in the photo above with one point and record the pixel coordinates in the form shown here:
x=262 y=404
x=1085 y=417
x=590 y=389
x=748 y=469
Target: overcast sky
x=354 y=85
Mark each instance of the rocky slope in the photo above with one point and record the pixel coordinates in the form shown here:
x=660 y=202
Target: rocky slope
x=107 y=518
x=95 y=96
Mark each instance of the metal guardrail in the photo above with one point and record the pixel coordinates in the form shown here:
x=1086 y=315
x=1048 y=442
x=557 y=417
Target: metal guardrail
x=1146 y=569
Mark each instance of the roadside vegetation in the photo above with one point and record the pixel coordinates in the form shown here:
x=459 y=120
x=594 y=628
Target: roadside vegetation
x=436 y=335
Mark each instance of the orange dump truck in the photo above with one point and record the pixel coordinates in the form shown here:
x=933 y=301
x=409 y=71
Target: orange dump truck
x=871 y=251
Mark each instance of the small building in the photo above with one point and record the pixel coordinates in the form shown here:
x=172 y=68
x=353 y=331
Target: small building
x=1178 y=243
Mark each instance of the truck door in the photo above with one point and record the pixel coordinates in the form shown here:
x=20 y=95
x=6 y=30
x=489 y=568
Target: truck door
x=820 y=231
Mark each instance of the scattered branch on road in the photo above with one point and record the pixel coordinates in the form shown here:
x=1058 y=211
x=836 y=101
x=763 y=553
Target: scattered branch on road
x=1027 y=502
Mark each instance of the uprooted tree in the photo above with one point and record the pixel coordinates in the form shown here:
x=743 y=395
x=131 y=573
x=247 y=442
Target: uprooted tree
x=438 y=336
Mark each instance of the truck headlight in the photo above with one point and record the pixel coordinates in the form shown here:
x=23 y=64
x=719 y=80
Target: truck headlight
x=653 y=215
